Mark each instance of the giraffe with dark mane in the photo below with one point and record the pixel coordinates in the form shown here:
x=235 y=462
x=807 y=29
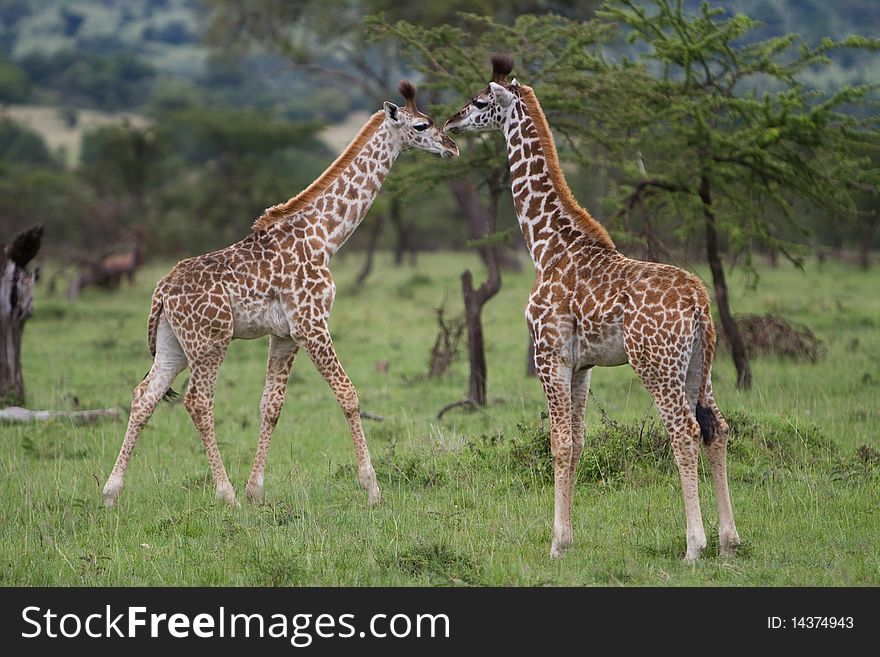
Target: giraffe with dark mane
x=591 y=306
x=275 y=282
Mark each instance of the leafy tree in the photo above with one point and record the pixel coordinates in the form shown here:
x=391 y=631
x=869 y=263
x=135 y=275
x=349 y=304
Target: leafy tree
x=221 y=168
x=730 y=133
x=21 y=145
x=111 y=82
x=14 y=85
x=119 y=162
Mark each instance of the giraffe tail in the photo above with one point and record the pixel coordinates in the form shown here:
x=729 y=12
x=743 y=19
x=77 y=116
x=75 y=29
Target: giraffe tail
x=152 y=327
x=153 y=322
x=706 y=340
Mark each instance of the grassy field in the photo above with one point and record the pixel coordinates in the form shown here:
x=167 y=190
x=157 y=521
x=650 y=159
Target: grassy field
x=468 y=499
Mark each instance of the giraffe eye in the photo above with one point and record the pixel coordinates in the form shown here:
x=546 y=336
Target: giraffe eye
x=480 y=104
x=420 y=127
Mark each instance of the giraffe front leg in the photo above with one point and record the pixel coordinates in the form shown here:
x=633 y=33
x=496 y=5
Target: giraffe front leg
x=199 y=402
x=282 y=353
x=556 y=379
x=319 y=346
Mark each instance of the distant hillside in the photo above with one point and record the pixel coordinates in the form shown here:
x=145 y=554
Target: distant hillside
x=814 y=20
x=145 y=56
x=62 y=131
x=167 y=33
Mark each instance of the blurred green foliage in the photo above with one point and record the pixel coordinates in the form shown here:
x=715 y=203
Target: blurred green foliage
x=235 y=92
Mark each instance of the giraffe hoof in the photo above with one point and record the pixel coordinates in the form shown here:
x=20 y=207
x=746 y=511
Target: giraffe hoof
x=374 y=496
x=696 y=541
x=562 y=536
x=693 y=553
x=558 y=551
x=254 y=493
x=728 y=542
x=226 y=493
x=111 y=492
x=367 y=479
x=559 y=547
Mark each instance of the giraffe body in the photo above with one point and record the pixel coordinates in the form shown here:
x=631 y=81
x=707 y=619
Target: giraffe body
x=276 y=282
x=591 y=306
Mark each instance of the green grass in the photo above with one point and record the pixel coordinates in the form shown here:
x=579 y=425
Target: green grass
x=468 y=500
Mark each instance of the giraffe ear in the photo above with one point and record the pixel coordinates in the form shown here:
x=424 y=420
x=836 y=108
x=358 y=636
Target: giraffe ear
x=392 y=112
x=502 y=96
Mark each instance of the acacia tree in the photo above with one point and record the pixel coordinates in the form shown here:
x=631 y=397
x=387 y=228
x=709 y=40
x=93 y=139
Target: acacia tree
x=732 y=137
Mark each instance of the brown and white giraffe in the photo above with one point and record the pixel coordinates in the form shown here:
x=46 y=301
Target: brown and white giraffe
x=275 y=281
x=591 y=306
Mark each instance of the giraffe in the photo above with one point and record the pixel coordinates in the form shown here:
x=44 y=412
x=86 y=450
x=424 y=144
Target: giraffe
x=276 y=282
x=591 y=306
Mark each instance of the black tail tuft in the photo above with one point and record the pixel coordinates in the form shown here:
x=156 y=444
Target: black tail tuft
x=706 y=420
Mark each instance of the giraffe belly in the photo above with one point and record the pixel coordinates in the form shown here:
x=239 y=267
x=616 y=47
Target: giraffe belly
x=601 y=345
x=256 y=320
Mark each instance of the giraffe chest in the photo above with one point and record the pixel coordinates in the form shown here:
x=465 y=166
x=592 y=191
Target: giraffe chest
x=585 y=330
x=256 y=318
x=599 y=343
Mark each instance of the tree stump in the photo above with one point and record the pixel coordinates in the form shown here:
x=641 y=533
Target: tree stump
x=16 y=305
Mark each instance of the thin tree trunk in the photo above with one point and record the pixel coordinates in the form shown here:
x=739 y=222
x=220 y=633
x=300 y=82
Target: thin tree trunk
x=473 y=309
x=867 y=242
x=16 y=305
x=737 y=346
x=405 y=242
x=481 y=222
x=375 y=232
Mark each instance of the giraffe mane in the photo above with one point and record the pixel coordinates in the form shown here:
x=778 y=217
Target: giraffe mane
x=280 y=211
x=582 y=219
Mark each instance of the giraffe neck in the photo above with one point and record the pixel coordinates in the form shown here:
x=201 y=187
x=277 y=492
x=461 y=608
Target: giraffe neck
x=340 y=209
x=549 y=217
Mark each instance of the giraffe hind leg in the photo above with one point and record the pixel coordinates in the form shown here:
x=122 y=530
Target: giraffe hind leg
x=716 y=452
x=167 y=364
x=714 y=432
x=671 y=394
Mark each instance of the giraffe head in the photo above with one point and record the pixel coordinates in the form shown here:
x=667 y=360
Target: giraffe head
x=490 y=106
x=415 y=129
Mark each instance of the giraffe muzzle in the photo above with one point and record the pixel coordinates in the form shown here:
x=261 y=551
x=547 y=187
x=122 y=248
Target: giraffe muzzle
x=451 y=149
x=450 y=125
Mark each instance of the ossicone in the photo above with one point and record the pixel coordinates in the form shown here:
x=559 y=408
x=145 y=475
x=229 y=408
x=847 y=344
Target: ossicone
x=502 y=65
x=408 y=90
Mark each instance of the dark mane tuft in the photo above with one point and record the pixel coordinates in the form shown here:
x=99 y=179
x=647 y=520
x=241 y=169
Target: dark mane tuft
x=408 y=90
x=502 y=65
